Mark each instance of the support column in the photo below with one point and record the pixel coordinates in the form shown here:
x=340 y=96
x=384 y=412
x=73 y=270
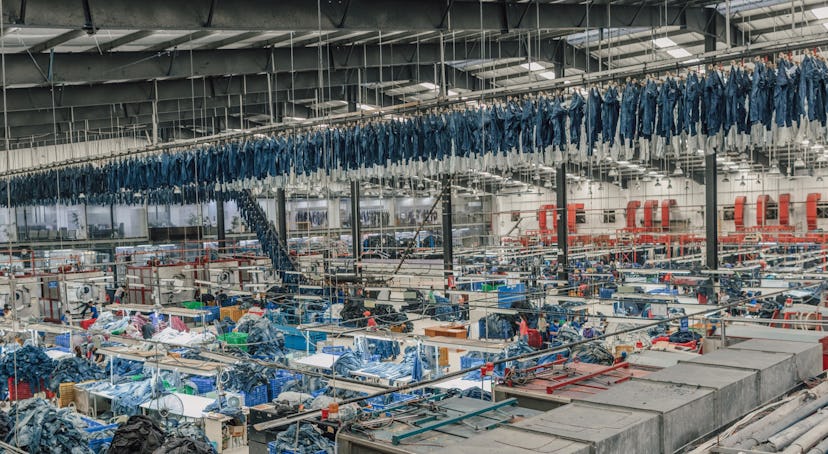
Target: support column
x=710 y=34
x=220 y=235
x=711 y=225
x=351 y=97
x=559 y=59
x=710 y=214
x=281 y=213
x=448 y=239
x=356 y=235
x=563 y=237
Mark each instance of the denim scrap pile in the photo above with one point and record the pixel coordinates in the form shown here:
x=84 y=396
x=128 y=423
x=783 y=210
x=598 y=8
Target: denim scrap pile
x=40 y=428
x=220 y=406
x=139 y=435
x=264 y=338
x=246 y=376
x=183 y=445
x=308 y=441
x=74 y=370
x=347 y=363
x=124 y=368
x=385 y=349
x=126 y=397
x=29 y=364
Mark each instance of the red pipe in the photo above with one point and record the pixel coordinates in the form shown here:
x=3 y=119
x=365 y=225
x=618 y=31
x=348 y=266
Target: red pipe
x=551 y=388
x=571 y=211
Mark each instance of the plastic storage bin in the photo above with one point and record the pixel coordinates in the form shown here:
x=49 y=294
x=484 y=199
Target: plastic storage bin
x=256 y=396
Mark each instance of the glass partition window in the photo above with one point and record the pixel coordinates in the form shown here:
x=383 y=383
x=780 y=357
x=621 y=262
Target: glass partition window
x=130 y=221
x=413 y=211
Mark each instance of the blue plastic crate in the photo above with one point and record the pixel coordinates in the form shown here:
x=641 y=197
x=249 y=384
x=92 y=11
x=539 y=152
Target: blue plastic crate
x=214 y=314
x=203 y=384
x=63 y=340
x=256 y=396
x=90 y=423
x=295 y=339
x=508 y=294
x=605 y=293
x=100 y=427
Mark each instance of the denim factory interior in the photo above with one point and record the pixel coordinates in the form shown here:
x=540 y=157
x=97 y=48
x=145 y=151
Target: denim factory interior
x=414 y=227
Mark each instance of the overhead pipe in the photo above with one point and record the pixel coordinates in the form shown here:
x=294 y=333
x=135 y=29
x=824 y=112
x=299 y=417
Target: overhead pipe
x=809 y=439
x=784 y=439
x=776 y=415
x=768 y=430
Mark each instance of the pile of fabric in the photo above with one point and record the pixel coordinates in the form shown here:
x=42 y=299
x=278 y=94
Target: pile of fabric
x=139 y=435
x=185 y=338
x=110 y=323
x=246 y=376
x=126 y=397
x=74 y=370
x=264 y=339
x=347 y=363
x=28 y=364
x=496 y=326
x=39 y=428
x=308 y=441
x=123 y=368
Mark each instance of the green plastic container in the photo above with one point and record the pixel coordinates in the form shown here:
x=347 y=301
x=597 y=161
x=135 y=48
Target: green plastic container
x=191 y=304
x=238 y=339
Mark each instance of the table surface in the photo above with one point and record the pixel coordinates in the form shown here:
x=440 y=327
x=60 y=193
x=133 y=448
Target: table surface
x=193 y=405
x=462 y=385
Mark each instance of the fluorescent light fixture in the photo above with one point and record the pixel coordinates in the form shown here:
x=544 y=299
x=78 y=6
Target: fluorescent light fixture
x=549 y=75
x=623 y=163
x=532 y=66
x=429 y=86
x=664 y=43
x=365 y=107
x=691 y=61
x=820 y=13
x=451 y=93
x=679 y=52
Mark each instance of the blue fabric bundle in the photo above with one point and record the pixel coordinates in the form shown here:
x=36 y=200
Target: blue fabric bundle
x=310 y=441
x=124 y=368
x=41 y=428
x=264 y=338
x=347 y=363
x=31 y=363
x=74 y=370
x=246 y=376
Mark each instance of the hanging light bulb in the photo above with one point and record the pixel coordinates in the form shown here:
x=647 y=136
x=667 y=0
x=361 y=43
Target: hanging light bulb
x=176 y=190
x=774 y=170
x=678 y=172
x=799 y=163
x=658 y=183
x=742 y=183
x=612 y=172
x=726 y=179
x=819 y=178
x=687 y=185
x=82 y=196
x=637 y=184
x=669 y=184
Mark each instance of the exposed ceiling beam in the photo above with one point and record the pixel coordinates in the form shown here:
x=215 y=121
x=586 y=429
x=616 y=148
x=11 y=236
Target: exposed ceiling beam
x=76 y=68
x=301 y=15
x=40 y=98
x=54 y=42
x=118 y=42
x=179 y=41
x=230 y=40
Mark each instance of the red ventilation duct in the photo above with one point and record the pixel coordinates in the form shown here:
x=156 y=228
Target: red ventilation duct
x=784 y=209
x=632 y=207
x=762 y=209
x=571 y=212
x=739 y=212
x=811 y=210
x=649 y=208
x=666 y=205
x=543 y=217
